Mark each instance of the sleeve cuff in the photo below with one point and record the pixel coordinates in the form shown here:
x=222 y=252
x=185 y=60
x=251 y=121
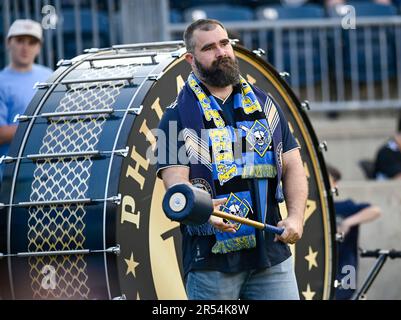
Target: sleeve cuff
x=158 y=172
x=295 y=148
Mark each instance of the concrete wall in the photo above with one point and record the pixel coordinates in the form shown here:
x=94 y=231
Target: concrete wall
x=353 y=137
x=383 y=233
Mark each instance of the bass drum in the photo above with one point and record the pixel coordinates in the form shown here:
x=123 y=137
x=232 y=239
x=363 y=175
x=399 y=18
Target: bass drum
x=81 y=208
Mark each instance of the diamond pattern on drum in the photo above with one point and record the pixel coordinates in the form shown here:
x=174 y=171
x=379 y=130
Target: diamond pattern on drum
x=62 y=227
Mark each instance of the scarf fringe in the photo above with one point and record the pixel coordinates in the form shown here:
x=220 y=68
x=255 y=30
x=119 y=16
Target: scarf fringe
x=235 y=244
x=259 y=171
x=205 y=229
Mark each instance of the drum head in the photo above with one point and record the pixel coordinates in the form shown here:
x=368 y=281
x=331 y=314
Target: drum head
x=82 y=215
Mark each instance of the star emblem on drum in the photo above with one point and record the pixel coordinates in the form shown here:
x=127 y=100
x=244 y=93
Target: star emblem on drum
x=259 y=137
x=308 y=294
x=311 y=258
x=132 y=264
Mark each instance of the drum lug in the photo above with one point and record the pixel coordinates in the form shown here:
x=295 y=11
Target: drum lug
x=305 y=105
x=259 y=52
x=178 y=53
x=92 y=50
x=340 y=236
x=123 y=152
x=137 y=110
x=337 y=284
x=234 y=41
x=64 y=63
x=20 y=118
x=323 y=146
x=155 y=77
x=284 y=74
x=116 y=199
x=122 y=297
x=116 y=250
x=6 y=159
x=41 y=85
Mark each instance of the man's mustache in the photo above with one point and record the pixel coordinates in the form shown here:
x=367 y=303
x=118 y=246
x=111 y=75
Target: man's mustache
x=222 y=60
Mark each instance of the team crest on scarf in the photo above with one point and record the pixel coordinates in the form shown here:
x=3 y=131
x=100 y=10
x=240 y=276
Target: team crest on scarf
x=259 y=137
x=237 y=207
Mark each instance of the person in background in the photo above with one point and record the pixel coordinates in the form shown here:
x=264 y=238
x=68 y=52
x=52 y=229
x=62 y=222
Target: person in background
x=17 y=80
x=388 y=158
x=349 y=215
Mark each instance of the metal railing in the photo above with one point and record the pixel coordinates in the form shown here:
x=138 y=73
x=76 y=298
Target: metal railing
x=333 y=68
x=70 y=26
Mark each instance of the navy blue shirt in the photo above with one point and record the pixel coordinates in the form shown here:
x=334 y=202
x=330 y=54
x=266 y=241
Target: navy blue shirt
x=388 y=160
x=196 y=250
x=348 y=249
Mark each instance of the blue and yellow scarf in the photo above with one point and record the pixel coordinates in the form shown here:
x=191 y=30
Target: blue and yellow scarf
x=224 y=159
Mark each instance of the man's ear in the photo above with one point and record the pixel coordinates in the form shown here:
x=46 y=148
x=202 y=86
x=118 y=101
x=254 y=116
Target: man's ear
x=189 y=57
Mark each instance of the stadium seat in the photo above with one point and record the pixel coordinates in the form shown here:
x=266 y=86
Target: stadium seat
x=308 y=11
x=68 y=17
x=220 y=12
x=176 y=16
x=366 y=9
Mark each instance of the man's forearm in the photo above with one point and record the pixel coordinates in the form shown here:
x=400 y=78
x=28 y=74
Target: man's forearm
x=174 y=175
x=295 y=187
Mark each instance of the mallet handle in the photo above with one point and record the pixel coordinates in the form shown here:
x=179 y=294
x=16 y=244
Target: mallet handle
x=248 y=222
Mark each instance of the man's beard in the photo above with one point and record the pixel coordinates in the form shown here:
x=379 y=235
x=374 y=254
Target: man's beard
x=222 y=73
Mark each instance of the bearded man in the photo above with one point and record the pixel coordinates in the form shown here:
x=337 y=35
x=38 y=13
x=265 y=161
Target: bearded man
x=234 y=142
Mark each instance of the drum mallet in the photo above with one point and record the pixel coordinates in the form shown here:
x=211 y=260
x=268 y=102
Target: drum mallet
x=193 y=206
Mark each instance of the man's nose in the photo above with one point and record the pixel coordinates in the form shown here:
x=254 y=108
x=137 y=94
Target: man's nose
x=25 y=44
x=220 y=52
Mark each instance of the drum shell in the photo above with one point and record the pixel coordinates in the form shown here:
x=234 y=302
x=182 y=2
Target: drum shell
x=149 y=263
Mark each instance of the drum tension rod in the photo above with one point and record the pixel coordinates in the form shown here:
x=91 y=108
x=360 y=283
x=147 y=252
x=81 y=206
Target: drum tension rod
x=68 y=83
x=115 y=199
x=284 y=74
x=64 y=63
x=115 y=250
x=259 y=52
x=48 y=115
x=146 y=45
x=234 y=41
x=152 y=55
x=41 y=157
